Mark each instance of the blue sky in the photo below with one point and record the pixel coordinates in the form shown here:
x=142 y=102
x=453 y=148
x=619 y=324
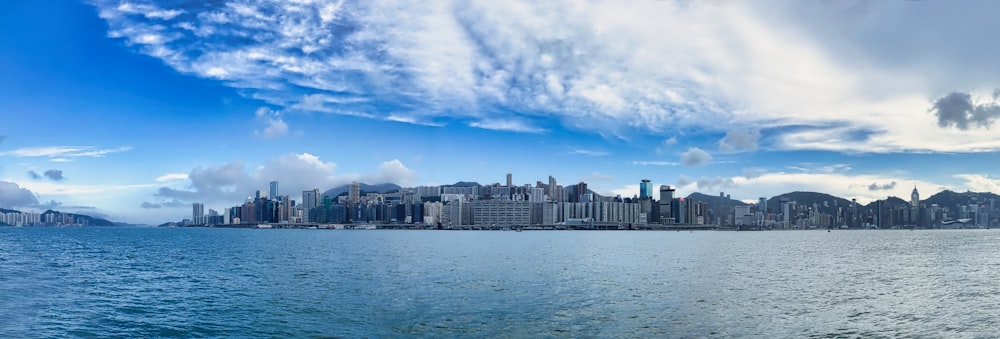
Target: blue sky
x=135 y=109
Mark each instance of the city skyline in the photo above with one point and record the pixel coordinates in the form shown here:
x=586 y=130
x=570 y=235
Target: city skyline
x=135 y=110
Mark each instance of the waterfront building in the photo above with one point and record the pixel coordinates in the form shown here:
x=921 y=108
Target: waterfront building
x=310 y=200
x=501 y=212
x=274 y=190
x=666 y=205
x=198 y=213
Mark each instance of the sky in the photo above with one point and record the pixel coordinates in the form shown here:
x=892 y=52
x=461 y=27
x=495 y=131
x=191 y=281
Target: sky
x=133 y=110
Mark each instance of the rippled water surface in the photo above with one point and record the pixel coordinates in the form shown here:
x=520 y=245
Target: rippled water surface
x=135 y=282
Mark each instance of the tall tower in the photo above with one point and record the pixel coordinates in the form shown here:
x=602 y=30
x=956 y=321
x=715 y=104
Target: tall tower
x=552 y=189
x=198 y=213
x=666 y=197
x=310 y=199
x=645 y=189
x=274 y=190
x=355 y=193
x=510 y=180
x=915 y=197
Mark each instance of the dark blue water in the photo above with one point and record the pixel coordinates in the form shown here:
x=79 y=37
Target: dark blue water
x=110 y=282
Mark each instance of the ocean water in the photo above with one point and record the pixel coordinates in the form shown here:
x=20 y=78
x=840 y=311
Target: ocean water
x=201 y=282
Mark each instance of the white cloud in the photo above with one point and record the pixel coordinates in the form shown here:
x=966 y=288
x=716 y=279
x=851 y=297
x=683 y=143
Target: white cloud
x=274 y=125
x=62 y=153
x=57 y=188
x=172 y=177
x=608 y=67
x=592 y=153
x=506 y=125
x=695 y=157
x=980 y=182
x=655 y=163
x=231 y=182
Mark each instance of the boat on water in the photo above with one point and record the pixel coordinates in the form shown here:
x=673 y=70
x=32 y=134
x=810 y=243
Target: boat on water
x=264 y=226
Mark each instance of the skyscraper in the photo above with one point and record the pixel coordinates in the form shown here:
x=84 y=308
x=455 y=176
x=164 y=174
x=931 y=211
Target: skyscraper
x=645 y=189
x=581 y=192
x=666 y=197
x=274 y=190
x=310 y=199
x=355 y=193
x=198 y=213
x=552 y=189
x=915 y=197
x=510 y=180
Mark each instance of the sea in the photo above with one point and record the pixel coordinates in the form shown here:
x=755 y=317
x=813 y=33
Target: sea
x=287 y=283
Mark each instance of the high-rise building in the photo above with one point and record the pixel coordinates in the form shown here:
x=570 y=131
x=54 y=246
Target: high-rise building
x=581 y=191
x=310 y=199
x=666 y=197
x=915 y=198
x=552 y=189
x=355 y=193
x=198 y=213
x=274 y=190
x=645 y=189
x=510 y=180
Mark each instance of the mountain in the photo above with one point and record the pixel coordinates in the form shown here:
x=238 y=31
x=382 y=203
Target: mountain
x=952 y=200
x=826 y=203
x=465 y=184
x=365 y=188
x=715 y=203
x=890 y=201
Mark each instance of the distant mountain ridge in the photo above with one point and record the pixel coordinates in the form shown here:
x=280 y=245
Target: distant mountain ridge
x=715 y=202
x=377 y=188
x=826 y=203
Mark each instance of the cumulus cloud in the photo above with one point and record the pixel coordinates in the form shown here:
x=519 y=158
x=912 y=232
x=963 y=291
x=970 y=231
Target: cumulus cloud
x=232 y=182
x=54 y=174
x=695 y=157
x=274 y=125
x=740 y=140
x=958 y=110
x=881 y=187
x=13 y=195
x=980 y=182
x=34 y=175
